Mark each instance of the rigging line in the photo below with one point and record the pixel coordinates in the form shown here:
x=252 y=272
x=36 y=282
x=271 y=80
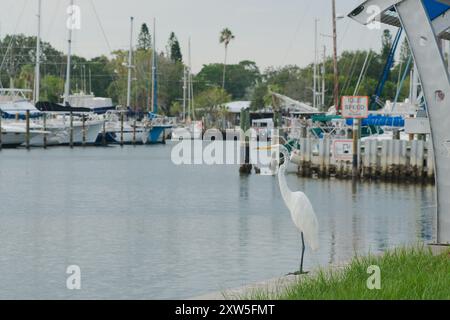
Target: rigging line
x=113 y=77
x=12 y=38
x=100 y=25
x=351 y=72
x=363 y=72
x=299 y=25
x=367 y=70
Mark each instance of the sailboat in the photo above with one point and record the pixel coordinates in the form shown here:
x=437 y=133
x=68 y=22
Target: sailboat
x=191 y=129
x=156 y=125
x=64 y=117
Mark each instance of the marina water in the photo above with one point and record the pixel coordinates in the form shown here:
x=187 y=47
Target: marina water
x=140 y=227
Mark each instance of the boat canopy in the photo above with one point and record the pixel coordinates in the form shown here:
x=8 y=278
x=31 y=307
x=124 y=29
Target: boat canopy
x=380 y=121
x=13 y=104
x=14 y=109
x=54 y=107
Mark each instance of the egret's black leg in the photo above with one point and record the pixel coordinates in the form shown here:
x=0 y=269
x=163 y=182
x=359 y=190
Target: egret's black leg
x=303 y=254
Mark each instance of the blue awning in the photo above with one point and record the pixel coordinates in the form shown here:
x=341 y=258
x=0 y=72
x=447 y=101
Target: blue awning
x=435 y=8
x=381 y=121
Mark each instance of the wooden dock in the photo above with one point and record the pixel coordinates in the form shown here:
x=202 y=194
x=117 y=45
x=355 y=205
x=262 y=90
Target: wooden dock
x=386 y=160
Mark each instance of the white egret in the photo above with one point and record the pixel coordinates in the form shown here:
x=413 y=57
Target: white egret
x=302 y=212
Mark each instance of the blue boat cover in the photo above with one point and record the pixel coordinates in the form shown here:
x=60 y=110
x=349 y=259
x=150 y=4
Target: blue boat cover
x=435 y=8
x=380 y=121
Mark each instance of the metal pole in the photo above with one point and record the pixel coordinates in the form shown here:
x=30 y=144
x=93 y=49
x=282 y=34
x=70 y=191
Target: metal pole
x=37 y=75
x=154 y=75
x=315 y=65
x=130 y=64
x=323 y=76
x=184 y=93
x=69 y=54
x=355 y=171
x=335 y=60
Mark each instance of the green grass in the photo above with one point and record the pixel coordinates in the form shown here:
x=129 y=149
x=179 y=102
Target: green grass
x=406 y=274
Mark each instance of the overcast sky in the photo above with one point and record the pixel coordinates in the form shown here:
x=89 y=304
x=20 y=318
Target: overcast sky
x=270 y=32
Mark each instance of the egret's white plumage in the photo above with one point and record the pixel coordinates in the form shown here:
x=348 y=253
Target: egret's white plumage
x=302 y=212
x=301 y=209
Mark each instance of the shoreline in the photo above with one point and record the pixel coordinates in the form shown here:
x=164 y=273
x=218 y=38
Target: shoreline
x=277 y=285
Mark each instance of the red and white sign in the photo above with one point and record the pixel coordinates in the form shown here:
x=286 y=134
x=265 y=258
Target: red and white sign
x=355 y=107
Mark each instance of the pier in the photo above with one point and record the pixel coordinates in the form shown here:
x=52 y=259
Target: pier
x=390 y=160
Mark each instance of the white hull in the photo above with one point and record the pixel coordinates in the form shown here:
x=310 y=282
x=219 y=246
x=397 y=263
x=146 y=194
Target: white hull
x=14 y=137
x=130 y=135
x=58 y=133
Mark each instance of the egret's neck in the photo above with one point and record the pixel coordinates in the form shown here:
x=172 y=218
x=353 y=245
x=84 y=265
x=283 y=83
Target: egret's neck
x=284 y=188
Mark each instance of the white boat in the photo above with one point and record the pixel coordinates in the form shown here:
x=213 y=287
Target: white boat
x=13 y=136
x=14 y=106
x=193 y=131
x=131 y=133
x=97 y=105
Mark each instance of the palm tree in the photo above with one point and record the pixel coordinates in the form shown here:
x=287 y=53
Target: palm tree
x=225 y=37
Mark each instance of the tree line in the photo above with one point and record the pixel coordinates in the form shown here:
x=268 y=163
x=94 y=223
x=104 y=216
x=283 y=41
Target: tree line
x=214 y=85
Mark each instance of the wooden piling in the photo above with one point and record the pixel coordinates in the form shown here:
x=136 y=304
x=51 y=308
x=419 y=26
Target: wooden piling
x=134 y=132
x=71 y=130
x=104 y=132
x=121 y=129
x=84 y=130
x=395 y=160
x=44 y=120
x=27 y=133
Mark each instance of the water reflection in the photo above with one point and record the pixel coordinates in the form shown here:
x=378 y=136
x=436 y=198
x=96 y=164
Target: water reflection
x=140 y=227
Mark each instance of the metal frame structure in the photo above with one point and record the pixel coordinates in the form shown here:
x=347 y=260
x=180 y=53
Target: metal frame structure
x=425 y=22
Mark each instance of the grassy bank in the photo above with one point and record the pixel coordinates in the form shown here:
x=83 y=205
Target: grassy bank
x=413 y=274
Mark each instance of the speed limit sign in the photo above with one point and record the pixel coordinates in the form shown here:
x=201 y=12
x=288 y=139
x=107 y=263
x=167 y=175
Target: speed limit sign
x=355 y=107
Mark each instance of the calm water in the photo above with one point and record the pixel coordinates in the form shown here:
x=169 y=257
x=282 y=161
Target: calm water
x=140 y=227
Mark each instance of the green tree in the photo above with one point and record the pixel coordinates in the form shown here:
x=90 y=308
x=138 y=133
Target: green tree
x=241 y=78
x=386 y=44
x=174 y=48
x=225 y=37
x=144 y=39
x=211 y=100
x=52 y=87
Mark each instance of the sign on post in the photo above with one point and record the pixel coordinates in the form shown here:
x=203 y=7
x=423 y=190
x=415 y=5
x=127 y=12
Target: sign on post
x=355 y=107
x=343 y=150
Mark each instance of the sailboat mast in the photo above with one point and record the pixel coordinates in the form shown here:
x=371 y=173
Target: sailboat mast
x=69 y=56
x=191 y=84
x=323 y=76
x=188 y=71
x=184 y=93
x=154 y=75
x=315 y=65
x=37 y=75
x=130 y=64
